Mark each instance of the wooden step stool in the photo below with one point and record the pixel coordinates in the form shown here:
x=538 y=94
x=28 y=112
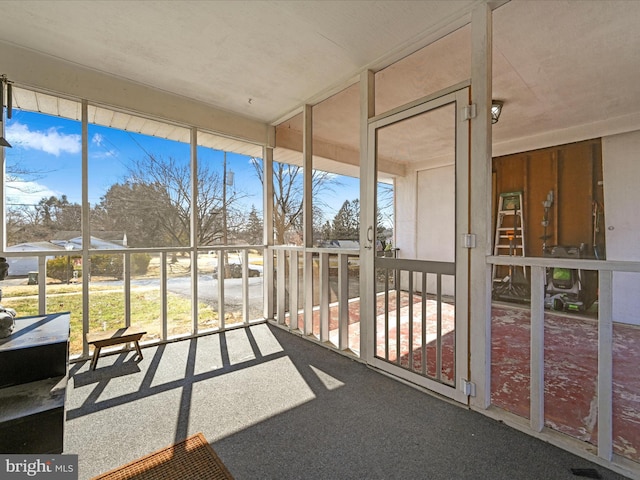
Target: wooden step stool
x=114 y=337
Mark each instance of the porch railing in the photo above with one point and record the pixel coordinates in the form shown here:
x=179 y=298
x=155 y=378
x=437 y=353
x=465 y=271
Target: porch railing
x=215 y=299
x=606 y=270
x=312 y=290
x=417 y=281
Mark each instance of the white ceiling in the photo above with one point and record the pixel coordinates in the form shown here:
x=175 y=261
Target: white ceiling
x=566 y=70
x=279 y=54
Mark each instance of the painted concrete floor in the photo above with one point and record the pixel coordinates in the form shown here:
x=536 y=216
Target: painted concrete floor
x=570 y=365
x=571 y=362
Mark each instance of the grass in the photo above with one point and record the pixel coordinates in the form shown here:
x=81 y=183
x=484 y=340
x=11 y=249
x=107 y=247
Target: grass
x=106 y=310
x=106 y=304
x=52 y=289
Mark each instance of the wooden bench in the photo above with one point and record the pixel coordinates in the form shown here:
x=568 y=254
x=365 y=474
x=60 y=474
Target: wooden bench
x=114 y=337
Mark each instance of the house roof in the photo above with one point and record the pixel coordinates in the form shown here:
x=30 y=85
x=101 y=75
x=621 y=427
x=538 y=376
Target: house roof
x=62 y=244
x=566 y=70
x=114 y=236
x=33 y=247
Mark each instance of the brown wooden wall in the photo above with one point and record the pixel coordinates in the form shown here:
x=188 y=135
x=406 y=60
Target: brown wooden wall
x=574 y=173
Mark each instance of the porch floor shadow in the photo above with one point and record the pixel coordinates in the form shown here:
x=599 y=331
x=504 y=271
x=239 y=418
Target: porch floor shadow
x=275 y=406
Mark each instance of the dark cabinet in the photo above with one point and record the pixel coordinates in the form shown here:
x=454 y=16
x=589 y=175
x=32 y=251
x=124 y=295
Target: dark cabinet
x=34 y=364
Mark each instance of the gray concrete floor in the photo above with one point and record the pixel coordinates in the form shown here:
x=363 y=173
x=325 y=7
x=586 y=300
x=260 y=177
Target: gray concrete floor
x=274 y=406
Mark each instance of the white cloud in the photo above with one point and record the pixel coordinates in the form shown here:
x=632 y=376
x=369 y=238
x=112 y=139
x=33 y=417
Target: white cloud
x=50 y=141
x=102 y=155
x=97 y=139
x=21 y=192
x=101 y=151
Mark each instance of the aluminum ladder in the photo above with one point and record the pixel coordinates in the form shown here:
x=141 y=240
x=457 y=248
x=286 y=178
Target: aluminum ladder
x=509 y=241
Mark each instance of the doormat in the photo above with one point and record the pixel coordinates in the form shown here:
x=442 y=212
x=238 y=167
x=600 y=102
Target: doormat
x=192 y=459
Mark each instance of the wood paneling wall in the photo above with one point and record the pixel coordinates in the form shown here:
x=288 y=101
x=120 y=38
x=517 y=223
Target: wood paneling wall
x=574 y=173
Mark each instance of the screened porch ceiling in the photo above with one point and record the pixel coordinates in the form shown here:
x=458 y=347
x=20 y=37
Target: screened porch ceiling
x=566 y=70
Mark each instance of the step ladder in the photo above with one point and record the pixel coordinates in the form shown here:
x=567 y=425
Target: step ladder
x=509 y=241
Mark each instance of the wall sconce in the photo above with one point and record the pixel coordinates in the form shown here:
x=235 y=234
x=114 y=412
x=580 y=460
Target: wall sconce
x=3 y=82
x=496 y=110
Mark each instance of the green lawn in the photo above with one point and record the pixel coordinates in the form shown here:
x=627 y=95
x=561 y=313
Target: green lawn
x=106 y=309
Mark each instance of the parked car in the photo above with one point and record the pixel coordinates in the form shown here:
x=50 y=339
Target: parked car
x=235 y=271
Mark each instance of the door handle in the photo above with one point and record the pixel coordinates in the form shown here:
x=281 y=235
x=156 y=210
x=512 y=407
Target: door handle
x=369 y=238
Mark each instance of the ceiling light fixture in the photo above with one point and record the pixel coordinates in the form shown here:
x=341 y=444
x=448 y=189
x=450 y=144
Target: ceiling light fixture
x=496 y=110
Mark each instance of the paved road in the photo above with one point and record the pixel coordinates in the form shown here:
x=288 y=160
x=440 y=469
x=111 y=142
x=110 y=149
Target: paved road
x=208 y=291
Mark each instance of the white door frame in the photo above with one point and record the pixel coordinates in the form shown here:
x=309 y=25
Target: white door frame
x=460 y=96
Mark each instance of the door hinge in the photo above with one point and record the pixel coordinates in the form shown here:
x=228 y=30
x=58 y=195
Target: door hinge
x=469 y=112
x=469 y=240
x=469 y=388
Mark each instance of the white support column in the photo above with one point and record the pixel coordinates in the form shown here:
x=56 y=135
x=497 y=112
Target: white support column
x=343 y=301
x=367 y=217
x=480 y=207
x=324 y=297
x=86 y=233
x=42 y=286
x=605 y=365
x=307 y=154
x=267 y=232
x=245 y=286
x=282 y=289
x=294 y=262
x=163 y=294
x=536 y=415
x=221 y=276
x=307 y=174
x=194 y=230
x=308 y=293
x=126 y=274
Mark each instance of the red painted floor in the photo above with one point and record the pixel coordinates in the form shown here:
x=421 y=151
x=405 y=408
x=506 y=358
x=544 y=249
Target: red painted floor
x=570 y=365
x=571 y=360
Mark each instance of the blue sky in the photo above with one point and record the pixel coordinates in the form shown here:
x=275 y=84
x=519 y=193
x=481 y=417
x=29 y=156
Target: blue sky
x=50 y=148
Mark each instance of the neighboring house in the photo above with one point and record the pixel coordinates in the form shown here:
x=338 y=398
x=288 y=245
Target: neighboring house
x=108 y=238
x=21 y=266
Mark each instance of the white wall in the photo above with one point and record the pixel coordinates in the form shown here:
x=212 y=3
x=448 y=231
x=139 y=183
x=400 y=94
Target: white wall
x=425 y=219
x=621 y=173
x=436 y=229
x=436 y=221
x=405 y=213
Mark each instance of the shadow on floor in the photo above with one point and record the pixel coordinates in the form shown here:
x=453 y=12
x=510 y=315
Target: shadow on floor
x=275 y=406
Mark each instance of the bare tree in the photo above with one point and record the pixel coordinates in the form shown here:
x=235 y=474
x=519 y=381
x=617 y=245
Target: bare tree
x=288 y=196
x=154 y=206
x=27 y=223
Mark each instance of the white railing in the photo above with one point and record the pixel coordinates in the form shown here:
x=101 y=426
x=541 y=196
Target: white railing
x=304 y=275
x=195 y=283
x=411 y=276
x=606 y=271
